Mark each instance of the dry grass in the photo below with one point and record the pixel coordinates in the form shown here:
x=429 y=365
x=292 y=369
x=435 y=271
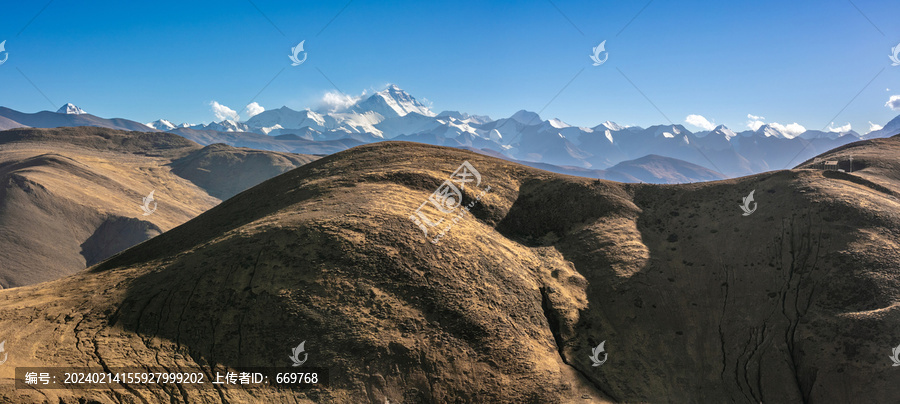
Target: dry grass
x=797 y=302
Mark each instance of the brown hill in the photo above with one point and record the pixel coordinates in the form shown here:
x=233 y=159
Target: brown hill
x=6 y=123
x=797 y=302
x=72 y=197
x=224 y=171
x=664 y=170
x=874 y=160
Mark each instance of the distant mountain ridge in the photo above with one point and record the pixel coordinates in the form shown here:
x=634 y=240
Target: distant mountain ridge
x=526 y=136
x=70 y=116
x=393 y=114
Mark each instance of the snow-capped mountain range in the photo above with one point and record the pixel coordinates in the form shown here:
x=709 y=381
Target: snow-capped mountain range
x=393 y=114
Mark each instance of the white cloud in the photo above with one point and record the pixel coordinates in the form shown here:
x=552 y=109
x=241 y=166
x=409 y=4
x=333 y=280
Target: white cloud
x=793 y=129
x=222 y=112
x=873 y=127
x=335 y=101
x=893 y=103
x=427 y=103
x=755 y=121
x=700 y=122
x=839 y=129
x=754 y=125
x=254 y=108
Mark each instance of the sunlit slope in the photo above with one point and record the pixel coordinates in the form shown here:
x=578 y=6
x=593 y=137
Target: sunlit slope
x=696 y=303
x=72 y=197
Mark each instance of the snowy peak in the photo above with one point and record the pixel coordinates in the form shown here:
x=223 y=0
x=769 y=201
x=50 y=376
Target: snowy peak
x=462 y=116
x=70 y=109
x=495 y=136
x=161 y=124
x=612 y=126
x=668 y=131
x=392 y=102
x=769 y=131
x=287 y=118
x=526 y=117
x=722 y=131
x=228 y=126
x=556 y=123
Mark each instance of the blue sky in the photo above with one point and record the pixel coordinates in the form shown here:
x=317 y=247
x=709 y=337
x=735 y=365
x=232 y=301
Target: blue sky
x=800 y=61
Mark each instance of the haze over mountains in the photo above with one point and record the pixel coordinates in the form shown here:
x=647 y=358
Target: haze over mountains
x=393 y=114
x=695 y=302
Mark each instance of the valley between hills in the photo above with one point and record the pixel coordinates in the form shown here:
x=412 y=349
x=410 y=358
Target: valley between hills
x=71 y=197
x=798 y=302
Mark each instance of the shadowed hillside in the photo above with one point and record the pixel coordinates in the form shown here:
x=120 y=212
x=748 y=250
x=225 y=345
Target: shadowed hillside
x=72 y=197
x=224 y=171
x=797 y=302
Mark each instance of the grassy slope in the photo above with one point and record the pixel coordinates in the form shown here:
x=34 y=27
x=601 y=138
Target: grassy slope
x=696 y=302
